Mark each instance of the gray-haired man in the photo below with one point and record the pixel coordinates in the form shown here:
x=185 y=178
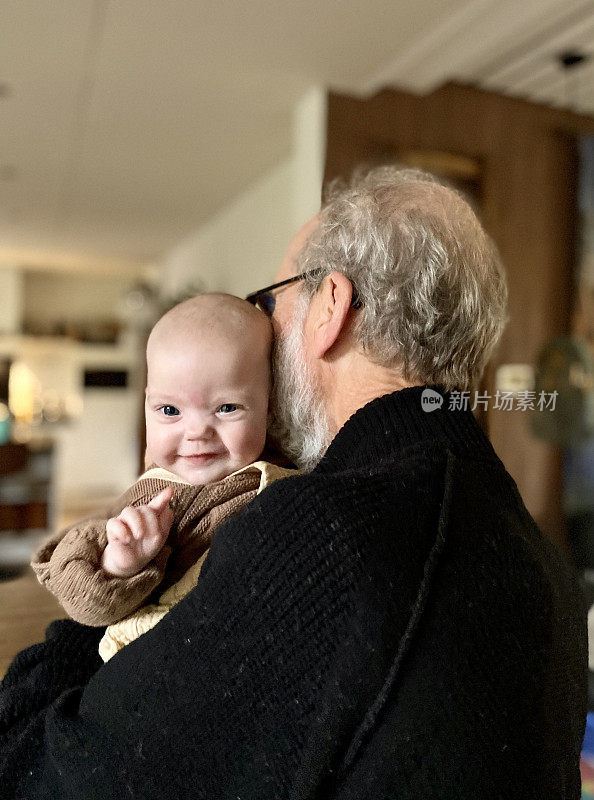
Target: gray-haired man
x=390 y=624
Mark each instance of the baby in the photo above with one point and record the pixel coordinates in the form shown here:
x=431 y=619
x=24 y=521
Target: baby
x=207 y=401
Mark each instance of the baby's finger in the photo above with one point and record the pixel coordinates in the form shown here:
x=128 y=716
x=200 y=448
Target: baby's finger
x=161 y=501
x=150 y=520
x=118 y=531
x=134 y=520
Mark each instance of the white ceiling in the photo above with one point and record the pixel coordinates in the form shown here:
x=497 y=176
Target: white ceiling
x=125 y=124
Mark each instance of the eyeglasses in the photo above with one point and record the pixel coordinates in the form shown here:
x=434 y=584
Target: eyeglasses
x=266 y=301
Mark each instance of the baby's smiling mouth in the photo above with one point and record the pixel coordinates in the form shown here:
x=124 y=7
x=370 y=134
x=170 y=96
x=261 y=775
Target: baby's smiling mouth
x=200 y=458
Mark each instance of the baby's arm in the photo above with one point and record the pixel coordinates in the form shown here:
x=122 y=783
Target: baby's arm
x=136 y=535
x=69 y=564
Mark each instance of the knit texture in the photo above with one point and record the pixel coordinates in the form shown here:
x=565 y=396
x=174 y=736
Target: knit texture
x=392 y=625
x=69 y=563
x=121 y=633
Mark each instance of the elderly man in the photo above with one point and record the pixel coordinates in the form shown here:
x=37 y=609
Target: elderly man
x=389 y=624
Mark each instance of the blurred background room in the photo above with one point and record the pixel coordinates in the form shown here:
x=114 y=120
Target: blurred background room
x=153 y=150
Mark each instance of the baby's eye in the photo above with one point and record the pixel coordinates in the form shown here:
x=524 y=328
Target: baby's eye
x=228 y=408
x=169 y=411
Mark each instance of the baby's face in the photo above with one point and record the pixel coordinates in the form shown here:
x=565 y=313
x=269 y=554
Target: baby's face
x=206 y=407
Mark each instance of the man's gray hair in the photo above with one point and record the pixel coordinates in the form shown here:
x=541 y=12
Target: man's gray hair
x=431 y=283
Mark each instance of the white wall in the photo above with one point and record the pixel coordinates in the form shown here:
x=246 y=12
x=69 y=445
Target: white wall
x=309 y=154
x=11 y=290
x=241 y=248
x=97 y=453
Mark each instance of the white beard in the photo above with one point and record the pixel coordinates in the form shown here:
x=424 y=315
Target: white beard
x=300 y=423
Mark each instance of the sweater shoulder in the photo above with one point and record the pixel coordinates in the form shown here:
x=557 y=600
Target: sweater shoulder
x=350 y=508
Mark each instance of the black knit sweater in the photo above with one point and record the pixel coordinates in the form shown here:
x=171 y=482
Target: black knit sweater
x=392 y=625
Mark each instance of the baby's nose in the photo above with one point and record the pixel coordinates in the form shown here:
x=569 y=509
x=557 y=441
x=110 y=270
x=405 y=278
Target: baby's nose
x=200 y=431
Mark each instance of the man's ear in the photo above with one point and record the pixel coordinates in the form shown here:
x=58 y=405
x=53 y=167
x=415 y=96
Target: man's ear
x=333 y=303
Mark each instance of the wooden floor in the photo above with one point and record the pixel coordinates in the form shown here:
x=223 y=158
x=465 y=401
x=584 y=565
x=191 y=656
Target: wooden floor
x=26 y=609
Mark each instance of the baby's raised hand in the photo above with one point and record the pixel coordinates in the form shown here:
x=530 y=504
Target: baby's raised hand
x=136 y=535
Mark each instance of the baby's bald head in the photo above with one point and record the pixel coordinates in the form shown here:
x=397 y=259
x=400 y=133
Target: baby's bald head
x=220 y=318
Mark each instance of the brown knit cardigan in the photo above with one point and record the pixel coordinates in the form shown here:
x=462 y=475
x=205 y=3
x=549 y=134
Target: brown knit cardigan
x=69 y=563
